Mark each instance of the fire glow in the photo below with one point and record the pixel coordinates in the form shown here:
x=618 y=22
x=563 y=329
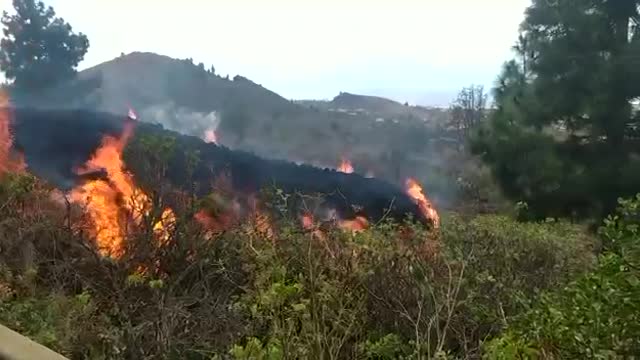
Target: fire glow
x=113 y=203
x=345 y=166
x=5 y=134
x=358 y=224
x=309 y=224
x=414 y=190
x=210 y=136
x=9 y=161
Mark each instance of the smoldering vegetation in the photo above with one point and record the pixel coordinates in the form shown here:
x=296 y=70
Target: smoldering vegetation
x=56 y=143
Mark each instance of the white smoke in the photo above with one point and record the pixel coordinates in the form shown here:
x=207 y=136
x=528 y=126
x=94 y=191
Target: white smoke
x=181 y=119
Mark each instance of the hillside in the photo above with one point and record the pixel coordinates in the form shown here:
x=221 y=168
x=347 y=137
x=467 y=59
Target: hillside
x=379 y=107
x=381 y=138
x=154 y=83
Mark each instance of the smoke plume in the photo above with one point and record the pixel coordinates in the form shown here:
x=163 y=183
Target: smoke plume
x=180 y=119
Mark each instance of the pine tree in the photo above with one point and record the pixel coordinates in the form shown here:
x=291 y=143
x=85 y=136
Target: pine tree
x=38 y=49
x=564 y=136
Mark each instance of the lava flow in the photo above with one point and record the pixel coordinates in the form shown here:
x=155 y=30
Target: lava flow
x=112 y=203
x=345 y=166
x=414 y=190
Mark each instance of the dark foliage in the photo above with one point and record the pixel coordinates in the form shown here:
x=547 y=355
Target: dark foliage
x=38 y=49
x=563 y=137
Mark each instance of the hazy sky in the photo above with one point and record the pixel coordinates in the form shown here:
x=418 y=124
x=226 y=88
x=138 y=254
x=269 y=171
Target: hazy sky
x=421 y=51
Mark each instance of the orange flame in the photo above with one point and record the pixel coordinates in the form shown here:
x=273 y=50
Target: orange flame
x=9 y=162
x=6 y=139
x=223 y=221
x=414 y=190
x=345 y=166
x=213 y=226
x=204 y=219
x=162 y=228
x=102 y=207
x=262 y=225
x=227 y=208
x=307 y=221
x=210 y=136
x=111 y=204
x=309 y=224
x=260 y=219
x=360 y=223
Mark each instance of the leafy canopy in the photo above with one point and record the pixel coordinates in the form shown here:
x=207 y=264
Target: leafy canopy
x=38 y=49
x=564 y=133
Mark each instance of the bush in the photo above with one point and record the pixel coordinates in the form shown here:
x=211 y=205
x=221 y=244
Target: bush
x=510 y=259
x=596 y=316
x=507 y=264
x=398 y=294
x=73 y=326
x=393 y=291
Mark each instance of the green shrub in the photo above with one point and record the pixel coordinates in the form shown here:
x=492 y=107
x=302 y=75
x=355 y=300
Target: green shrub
x=507 y=264
x=388 y=347
x=303 y=301
x=72 y=326
x=598 y=315
x=393 y=291
x=385 y=294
